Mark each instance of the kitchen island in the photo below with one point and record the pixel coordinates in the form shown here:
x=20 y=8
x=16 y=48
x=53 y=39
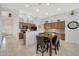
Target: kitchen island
x=30 y=37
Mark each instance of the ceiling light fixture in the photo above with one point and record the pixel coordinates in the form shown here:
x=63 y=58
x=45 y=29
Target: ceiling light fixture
x=26 y=5
x=30 y=13
x=48 y=4
x=58 y=9
x=46 y=14
x=37 y=10
x=21 y=12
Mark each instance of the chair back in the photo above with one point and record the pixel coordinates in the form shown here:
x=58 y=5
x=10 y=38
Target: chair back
x=54 y=40
x=40 y=40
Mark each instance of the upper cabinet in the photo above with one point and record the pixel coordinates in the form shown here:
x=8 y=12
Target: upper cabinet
x=24 y=26
x=47 y=25
x=61 y=25
x=55 y=25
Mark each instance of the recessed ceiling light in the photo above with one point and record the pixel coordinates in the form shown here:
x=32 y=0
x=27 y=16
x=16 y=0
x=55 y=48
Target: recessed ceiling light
x=48 y=4
x=30 y=13
x=20 y=12
x=58 y=9
x=37 y=10
x=26 y=5
x=46 y=14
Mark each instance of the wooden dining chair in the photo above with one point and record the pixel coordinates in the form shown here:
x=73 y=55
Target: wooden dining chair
x=41 y=46
x=56 y=44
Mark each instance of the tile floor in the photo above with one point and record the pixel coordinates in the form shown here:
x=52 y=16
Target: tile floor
x=11 y=48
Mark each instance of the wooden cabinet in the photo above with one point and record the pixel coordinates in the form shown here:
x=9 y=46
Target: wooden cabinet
x=63 y=36
x=26 y=26
x=55 y=25
x=47 y=25
x=21 y=35
x=22 y=25
x=61 y=25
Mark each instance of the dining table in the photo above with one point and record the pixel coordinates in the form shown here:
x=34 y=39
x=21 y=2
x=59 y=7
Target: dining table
x=50 y=38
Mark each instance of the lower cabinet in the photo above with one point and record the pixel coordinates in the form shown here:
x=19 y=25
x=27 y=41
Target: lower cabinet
x=21 y=35
x=63 y=36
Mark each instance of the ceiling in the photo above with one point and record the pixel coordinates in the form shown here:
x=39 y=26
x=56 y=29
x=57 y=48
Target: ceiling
x=40 y=10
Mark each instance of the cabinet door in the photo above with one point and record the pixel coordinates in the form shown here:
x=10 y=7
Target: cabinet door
x=49 y=26
x=63 y=36
x=55 y=25
x=21 y=35
x=52 y=26
x=61 y=25
x=46 y=26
